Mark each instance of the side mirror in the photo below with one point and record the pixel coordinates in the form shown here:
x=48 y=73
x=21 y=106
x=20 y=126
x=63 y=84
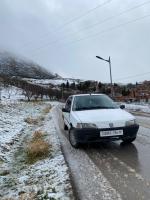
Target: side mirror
x=65 y=110
x=122 y=106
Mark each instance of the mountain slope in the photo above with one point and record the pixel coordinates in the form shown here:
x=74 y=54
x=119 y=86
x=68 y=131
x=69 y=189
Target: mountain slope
x=13 y=66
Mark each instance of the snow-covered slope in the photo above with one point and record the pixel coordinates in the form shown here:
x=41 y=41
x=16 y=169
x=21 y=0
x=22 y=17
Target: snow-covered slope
x=54 y=81
x=47 y=178
x=14 y=66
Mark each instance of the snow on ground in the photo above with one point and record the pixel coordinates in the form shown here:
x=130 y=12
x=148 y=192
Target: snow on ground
x=11 y=94
x=137 y=107
x=140 y=107
x=50 y=81
x=14 y=95
x=45 y=179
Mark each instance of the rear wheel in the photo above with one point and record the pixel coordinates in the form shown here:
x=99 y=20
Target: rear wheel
x=129 y=140
x=65 y=127
x=72 y=139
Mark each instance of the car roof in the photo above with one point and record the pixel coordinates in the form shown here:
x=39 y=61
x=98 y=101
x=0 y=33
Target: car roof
x=93 y=94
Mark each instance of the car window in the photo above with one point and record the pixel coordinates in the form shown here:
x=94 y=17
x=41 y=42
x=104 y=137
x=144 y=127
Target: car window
x=68 y=104
x=88 y=102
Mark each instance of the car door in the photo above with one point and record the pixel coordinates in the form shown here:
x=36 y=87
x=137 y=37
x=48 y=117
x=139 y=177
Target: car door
x=67 y=114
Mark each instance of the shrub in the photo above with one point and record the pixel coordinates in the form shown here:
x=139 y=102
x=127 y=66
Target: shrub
x=38 y=148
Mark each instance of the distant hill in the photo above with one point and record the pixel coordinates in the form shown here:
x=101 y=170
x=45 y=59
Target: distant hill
x=11 y=65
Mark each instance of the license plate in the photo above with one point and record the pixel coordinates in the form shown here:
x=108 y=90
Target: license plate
x=111 y=133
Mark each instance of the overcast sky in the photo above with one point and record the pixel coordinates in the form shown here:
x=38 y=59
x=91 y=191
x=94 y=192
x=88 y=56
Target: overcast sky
x=62 y=36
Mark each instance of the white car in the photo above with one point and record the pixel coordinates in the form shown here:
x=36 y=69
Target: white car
x=95 y=118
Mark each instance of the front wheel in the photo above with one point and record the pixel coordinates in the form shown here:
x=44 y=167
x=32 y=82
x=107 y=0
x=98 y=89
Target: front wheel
x=72 y=139
x=129 y=140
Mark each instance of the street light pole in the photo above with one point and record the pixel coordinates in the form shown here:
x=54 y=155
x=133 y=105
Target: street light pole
x=110 y=70
x=109 y=61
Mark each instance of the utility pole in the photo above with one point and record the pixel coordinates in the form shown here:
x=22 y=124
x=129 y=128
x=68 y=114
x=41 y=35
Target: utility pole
x=109 y=61
x=62 y=91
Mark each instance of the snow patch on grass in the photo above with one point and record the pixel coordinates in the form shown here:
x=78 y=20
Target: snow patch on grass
x=47 y=178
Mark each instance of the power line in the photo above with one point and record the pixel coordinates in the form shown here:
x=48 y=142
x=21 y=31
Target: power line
x=101 y=22
x=110 y=29
x=114 y=16
x=102 y=32
x=76 y=18
x=128 y=77
x=83 y=15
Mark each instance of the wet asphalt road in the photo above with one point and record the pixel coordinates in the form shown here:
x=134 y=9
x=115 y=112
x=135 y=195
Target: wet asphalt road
x=109 y=170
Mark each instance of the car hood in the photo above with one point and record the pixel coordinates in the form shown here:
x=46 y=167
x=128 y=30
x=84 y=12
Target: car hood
x=103 y=117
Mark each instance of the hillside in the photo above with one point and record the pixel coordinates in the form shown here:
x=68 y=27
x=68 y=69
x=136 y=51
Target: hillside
x=11 y=65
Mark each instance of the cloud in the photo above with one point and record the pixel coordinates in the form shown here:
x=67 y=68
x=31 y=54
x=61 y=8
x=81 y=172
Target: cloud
x=35 y=30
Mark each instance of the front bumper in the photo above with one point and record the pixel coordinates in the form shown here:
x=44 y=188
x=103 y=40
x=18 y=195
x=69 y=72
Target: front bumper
x=93 y=135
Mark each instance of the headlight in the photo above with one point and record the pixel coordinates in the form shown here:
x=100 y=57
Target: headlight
x=86 y=125
x=131 y=122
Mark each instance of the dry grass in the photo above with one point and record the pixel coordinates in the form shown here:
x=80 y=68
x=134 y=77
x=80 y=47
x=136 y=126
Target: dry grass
x=34 y=121
x=30 y=120
x=25 y=196
x=38 y=135
x=47 y=109
x=38 y=148
x=8 y=199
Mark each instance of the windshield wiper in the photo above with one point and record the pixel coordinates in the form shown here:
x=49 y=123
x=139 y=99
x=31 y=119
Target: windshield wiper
x=92 y=108
x=106 y=107
x=83 y=108
x=97 y=107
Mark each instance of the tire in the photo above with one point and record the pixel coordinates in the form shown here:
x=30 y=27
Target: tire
x=65 y=127
x=129 y=140
x=72 y=139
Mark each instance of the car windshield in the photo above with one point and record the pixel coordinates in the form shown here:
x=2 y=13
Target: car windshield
x=89 y=102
